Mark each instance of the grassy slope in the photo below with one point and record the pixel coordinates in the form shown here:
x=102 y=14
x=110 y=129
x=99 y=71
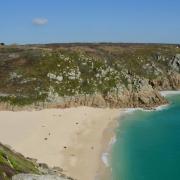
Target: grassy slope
x=33 y=63
x=12 y=163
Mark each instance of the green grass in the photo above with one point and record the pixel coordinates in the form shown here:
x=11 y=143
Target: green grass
x=12 y=163
x=34 y=64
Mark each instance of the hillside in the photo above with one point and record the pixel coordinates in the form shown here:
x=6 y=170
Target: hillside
x=12 y=163
x=100 y=75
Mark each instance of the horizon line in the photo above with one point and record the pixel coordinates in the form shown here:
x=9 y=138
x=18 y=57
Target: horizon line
x=91 y=42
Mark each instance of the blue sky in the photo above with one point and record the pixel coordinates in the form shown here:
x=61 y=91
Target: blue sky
x=47 y=21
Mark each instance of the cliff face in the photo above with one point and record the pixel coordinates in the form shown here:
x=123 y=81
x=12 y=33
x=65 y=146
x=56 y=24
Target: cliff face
x=145 y=98
x=100 y=75
x=169 y=82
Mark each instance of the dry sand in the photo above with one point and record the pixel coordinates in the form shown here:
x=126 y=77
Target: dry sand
x=72 y=139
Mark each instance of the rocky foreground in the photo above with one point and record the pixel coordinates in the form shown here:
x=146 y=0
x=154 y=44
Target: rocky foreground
x=98 y=75
x=36 y=177
x=12 y=163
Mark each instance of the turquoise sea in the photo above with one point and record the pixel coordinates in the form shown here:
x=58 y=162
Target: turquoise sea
x=148 y=145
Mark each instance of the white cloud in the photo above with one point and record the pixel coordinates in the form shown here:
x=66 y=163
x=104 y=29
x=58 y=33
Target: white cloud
x=40 y=21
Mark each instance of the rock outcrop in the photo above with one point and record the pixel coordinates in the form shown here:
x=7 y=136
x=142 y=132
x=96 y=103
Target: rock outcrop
x=175 y=63
x=37 y=177
x=13 y=163
x=97 y=75
x=169 y=82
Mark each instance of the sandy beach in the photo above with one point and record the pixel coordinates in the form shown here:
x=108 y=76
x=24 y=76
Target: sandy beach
x=73 y=139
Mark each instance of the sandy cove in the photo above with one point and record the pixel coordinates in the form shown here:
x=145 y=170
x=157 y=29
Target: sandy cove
x=73 y=139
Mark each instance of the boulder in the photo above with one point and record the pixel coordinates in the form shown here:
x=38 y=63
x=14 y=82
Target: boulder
x=175 y=63
x=37 y=177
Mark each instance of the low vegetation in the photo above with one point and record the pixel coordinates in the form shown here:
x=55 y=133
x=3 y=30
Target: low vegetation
x=12 y=163
x=35 y=73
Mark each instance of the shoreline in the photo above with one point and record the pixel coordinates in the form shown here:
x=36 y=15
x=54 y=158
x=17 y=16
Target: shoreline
x=72 y=139
x=129 y=111
x=158 y=108
x=169 y=93
x=108 y=140
x=85 y=137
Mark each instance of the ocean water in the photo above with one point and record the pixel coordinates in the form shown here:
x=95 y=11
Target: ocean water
x=148 y=145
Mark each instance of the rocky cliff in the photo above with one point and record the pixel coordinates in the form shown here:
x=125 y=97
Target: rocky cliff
x=98 y=75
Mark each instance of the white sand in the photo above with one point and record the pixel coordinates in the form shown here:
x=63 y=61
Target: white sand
x=75 y=137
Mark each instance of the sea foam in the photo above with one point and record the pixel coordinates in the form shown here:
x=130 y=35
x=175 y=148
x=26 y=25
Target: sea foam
x=105 y=155
x=105 y=159
x=169 y=93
